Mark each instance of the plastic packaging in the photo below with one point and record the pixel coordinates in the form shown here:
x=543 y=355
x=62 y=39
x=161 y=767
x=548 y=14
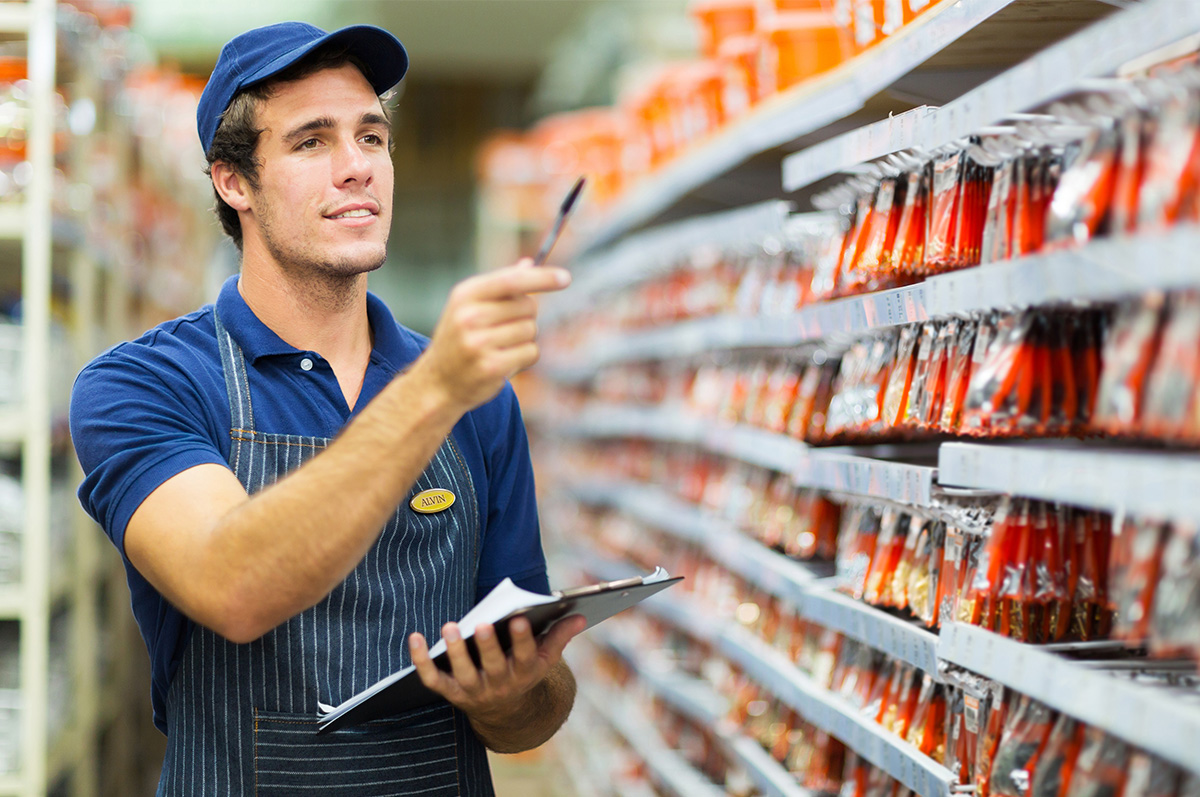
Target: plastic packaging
x=1020 y=747
x=1052 y=773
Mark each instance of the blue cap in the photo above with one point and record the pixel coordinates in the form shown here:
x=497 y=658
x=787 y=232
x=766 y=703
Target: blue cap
x=258 y=54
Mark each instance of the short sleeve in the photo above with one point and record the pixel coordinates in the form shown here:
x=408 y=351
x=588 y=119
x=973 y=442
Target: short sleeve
x=137 y=419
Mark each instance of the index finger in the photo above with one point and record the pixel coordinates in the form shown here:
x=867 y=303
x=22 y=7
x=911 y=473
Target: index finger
x=516 y=280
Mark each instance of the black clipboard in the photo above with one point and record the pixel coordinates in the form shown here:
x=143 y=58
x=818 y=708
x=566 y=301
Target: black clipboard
x=403 y=691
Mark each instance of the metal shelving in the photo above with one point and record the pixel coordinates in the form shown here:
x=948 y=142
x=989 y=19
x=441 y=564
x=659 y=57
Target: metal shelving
x=1099 y=50
x=980 y=33
x=1158 y=484
x=1163 y=721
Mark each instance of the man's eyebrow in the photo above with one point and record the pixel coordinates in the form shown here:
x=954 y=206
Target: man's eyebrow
x=311 y=126
x=328 y=123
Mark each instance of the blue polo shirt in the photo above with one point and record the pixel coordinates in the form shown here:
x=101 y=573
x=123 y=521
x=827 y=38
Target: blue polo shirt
x=148 y=409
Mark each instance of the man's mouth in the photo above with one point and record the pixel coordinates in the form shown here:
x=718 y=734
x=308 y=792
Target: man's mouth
x=352 y=214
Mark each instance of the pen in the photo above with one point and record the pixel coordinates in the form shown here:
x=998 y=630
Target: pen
x=556 y=230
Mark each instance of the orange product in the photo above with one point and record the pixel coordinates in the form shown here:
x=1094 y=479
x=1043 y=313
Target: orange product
x=1020 y=747
x=998 y=707
x=1128 y=358
x=720 y=19
x=798 y=46
x=1101 y=766
x=927 y=732
x=893 y=531
x=896 y=394
x=1052 y=772
x=1172 y=382
x=737 y=60
x=1133 y=575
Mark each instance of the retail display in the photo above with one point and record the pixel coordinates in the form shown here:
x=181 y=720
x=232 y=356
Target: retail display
x=1015 y=268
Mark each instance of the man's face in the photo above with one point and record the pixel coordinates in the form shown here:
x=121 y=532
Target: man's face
x=323 y=205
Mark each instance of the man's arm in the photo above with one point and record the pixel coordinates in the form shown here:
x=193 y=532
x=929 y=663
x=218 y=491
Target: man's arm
x=514 y=703
x=241 y=564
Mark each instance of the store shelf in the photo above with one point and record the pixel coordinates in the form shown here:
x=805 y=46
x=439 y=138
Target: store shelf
x=1103 y=270
x=851 y=474
x=1162 y=721
x=808 y=110
x=10 y=785
x=899 y=638
x=668 y=767
x=697 y=701
x=850 y=471
x=830 y=712
x=767 y=570
x=656 y=252
x=1099 y=50
x=1160 y=485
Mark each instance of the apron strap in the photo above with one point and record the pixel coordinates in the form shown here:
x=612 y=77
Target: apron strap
x=237 y=384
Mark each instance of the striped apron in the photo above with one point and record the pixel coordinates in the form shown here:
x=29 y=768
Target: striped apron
x=242 y=718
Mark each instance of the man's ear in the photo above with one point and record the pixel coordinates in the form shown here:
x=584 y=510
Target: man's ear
x=231 y=186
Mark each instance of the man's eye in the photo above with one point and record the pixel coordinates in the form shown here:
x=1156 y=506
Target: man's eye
x=373 y=139
x=308 y=143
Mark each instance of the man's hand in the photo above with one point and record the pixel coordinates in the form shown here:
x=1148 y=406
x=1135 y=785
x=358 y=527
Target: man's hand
x=487 y=332
x=514 y=702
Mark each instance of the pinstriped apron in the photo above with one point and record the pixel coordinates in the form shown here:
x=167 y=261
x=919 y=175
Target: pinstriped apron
x=242 y=718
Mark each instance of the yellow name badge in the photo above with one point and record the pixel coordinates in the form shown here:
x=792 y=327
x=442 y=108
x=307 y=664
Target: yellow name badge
x=429 y=501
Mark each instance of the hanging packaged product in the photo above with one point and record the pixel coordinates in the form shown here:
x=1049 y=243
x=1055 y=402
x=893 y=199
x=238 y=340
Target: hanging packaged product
x=1129 y=352
x=1171 y=384
x=1091 y=610
x=1100 y=767
x=893 y=530
x=1025 y=735
x=908 y=251
x=807 y=418
x=1052 y=772
x=896 y=393
x=1150 y=776
x=927 y=732
x=930 y=380
x=940 y=241
x=971 y=336
x=995 y=716
x=1168 y=181
x=1175 y=616
x=1080 y=207
x=1135 y=561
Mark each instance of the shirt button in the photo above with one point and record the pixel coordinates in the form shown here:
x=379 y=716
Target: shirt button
x=306 y=364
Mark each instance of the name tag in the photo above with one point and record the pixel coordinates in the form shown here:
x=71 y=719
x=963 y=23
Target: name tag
x=429 y=501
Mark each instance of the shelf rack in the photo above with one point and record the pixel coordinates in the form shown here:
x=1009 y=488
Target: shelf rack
x=670 y=769
x=795 y=583
x=1100 y=271
x=849 y=471
x=1100 y=50
x=949 y=35
x=696 y=700
x=1162 y=485
x=773 y=670
x=1162 y=721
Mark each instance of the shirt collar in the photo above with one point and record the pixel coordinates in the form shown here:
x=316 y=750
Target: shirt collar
x=391 y=348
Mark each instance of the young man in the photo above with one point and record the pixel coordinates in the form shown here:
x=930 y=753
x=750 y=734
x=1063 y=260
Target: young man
x=255 y=462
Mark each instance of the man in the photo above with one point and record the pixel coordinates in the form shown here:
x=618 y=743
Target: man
x=255 y=462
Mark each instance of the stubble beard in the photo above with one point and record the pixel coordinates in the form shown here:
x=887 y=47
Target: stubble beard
x=332 y=283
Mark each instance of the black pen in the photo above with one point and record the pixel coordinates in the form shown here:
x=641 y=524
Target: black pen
x=565 y=210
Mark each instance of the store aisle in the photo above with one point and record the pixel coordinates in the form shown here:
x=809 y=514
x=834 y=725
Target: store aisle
x=535 y=773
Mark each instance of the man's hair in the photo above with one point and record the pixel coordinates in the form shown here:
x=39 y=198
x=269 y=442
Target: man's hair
x=235 y=141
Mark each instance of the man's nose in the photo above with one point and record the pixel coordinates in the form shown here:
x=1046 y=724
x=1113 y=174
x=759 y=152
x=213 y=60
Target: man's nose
x=351 y=163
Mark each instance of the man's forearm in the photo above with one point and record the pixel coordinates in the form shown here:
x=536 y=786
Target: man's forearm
x=542 y=711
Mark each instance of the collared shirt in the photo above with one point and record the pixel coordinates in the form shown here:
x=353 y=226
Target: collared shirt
x=151 y=408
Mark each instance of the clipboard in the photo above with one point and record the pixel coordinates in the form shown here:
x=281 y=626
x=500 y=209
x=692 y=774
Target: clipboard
x=403 y=691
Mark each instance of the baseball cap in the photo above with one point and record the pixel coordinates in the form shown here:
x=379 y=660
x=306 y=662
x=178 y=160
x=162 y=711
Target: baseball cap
x=258 y=54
